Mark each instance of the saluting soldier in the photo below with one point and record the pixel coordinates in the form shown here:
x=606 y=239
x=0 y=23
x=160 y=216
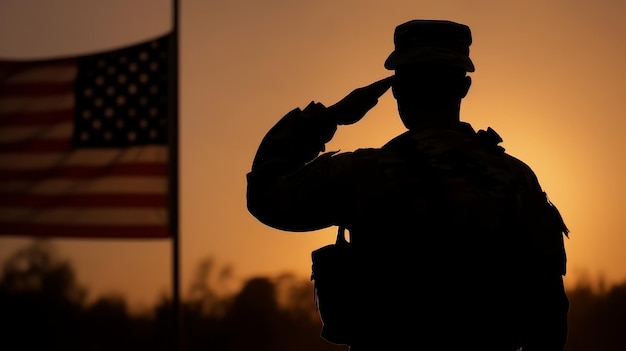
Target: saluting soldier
x=455 y=244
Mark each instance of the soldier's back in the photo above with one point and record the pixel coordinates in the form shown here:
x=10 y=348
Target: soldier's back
x=434 y=221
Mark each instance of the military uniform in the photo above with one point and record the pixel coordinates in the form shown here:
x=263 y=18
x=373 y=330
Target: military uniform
x=454 y=239
x=433 y=201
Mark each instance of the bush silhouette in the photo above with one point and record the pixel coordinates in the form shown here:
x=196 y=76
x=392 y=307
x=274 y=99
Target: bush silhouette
x=44 y=308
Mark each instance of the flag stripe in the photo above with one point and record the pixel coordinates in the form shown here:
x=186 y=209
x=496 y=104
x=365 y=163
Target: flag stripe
x=84 y=231
x=24 y=133
x=37 y=146
x=100 y=185
x=40 y=90
x=26 y=104
x=38 y=72
x=91 y=216
x=34 y=118
x=84 y=172
x=97 y=157
x=96 y=200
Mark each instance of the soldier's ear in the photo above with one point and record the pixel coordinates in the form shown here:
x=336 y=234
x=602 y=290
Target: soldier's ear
x=467 y=83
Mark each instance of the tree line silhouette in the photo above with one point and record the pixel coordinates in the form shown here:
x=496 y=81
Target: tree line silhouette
x=43 y=307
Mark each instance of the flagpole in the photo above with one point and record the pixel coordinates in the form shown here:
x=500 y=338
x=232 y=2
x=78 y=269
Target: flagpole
x=177 y=327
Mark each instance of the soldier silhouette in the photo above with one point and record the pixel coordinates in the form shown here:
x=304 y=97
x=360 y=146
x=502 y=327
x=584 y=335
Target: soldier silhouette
x=454 y=243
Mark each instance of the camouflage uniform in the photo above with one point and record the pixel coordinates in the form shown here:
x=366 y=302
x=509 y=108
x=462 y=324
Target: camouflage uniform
x=455 y=239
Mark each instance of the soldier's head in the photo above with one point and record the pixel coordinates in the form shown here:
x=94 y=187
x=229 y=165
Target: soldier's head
x=431 y=61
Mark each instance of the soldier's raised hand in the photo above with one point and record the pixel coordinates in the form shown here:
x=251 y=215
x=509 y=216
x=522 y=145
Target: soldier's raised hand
x=355 y=105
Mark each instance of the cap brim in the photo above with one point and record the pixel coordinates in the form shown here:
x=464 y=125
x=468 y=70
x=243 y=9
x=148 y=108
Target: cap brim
x=396 y=59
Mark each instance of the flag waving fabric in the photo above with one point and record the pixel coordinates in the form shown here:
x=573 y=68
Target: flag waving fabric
x=84 y=144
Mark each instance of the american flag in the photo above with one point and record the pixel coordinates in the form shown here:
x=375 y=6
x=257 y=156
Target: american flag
x=84 y=144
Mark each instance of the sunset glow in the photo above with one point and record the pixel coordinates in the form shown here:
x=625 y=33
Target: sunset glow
x=549 y=79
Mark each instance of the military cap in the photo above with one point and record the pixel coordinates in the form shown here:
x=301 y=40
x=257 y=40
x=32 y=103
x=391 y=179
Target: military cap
x=421 y=41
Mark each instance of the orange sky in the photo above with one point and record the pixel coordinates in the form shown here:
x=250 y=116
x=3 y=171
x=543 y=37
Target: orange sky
x=549 y=78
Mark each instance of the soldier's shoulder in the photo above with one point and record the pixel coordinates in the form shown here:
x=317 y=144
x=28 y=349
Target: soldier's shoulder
x=520 y=167
x=490 y=140
x=515 y=161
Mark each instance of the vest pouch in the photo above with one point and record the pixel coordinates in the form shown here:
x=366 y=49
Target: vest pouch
x=333 y=277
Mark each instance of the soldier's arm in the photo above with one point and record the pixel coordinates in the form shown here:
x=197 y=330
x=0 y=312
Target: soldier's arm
x=288 y=185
